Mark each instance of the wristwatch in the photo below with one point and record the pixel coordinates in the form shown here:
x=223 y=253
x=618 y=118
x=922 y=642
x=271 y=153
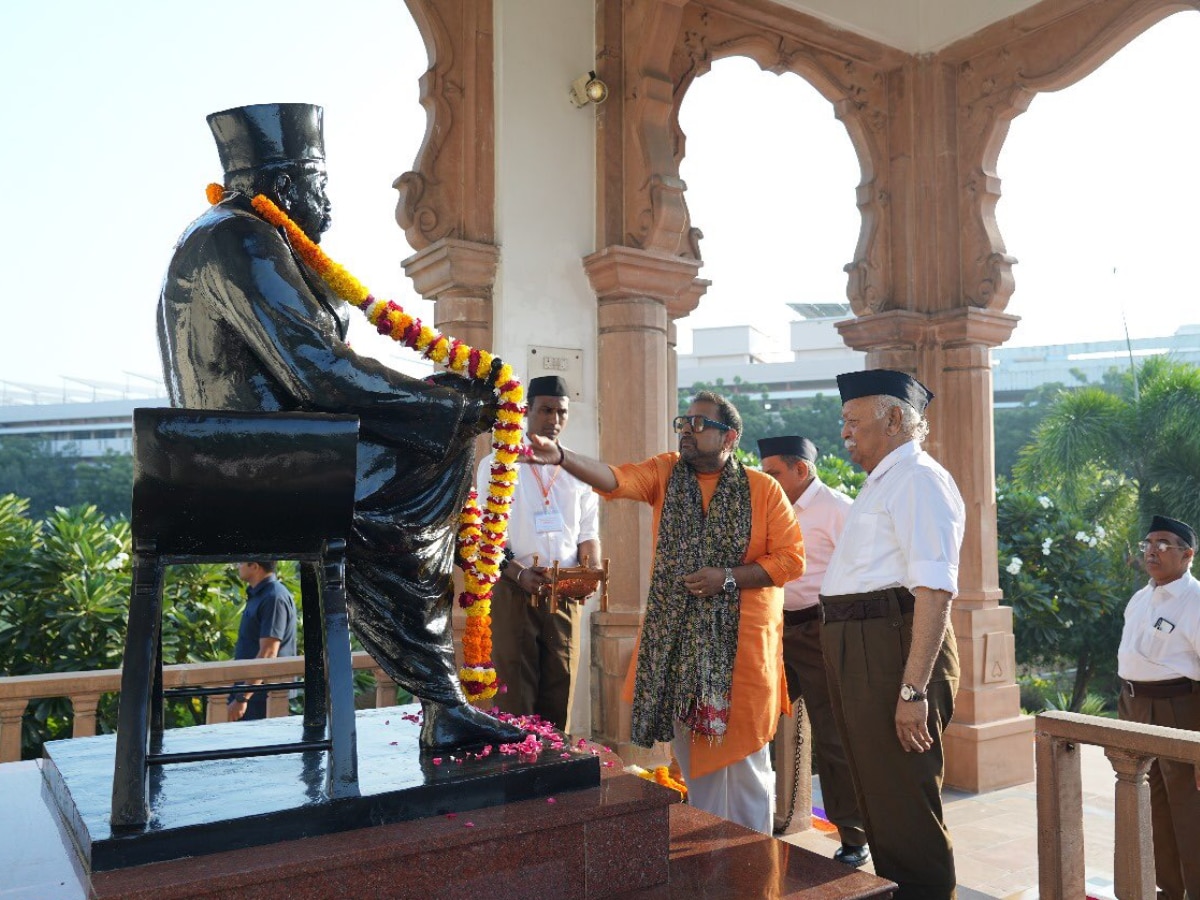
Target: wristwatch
x=910 y=694
x=730 y=585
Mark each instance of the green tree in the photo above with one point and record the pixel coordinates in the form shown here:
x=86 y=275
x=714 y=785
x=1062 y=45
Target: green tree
x=1142 y=431
x=818 y=419
x=48 y=479
x=1014 y=426
x=1067 y=579
x=64 y=601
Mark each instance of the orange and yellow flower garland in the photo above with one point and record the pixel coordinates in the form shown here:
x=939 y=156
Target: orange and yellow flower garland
x=482 y=532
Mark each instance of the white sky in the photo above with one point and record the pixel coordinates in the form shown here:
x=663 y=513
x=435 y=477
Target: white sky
x=106 y=153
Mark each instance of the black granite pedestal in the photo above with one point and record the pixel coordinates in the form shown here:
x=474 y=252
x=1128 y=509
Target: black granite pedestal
x=209 y=807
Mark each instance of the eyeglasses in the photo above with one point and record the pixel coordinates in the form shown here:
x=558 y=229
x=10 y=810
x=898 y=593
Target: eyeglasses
x=697 y=424
x=1160 y=546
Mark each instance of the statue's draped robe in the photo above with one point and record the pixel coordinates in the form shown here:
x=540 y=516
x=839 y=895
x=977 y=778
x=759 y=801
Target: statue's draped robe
x=243 y=324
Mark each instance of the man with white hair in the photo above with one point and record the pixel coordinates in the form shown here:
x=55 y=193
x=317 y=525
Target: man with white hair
x=886 y=635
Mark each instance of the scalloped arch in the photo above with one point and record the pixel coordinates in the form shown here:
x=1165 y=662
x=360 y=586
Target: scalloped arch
x=854 y=81
x=999 y=74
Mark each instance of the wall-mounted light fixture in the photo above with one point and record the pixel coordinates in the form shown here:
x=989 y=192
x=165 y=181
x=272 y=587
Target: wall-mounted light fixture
x=587 y=89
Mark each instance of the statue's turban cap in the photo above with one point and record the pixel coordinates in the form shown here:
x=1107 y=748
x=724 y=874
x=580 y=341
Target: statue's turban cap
x=249 y=137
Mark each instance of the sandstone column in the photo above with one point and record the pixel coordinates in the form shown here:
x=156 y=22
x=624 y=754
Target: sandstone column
x=988 y=742
x=637 y=291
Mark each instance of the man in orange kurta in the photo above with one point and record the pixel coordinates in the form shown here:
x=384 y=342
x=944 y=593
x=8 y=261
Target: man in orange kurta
x=727 y=768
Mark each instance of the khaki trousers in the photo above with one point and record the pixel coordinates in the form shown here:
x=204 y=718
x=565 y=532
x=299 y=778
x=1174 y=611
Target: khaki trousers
x=1174 y=799
x=899 y=793
x=804 y=666
x=536 y=652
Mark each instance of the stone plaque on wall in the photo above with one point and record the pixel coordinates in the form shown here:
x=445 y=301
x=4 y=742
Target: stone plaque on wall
x=996 y=649
x=567 y=363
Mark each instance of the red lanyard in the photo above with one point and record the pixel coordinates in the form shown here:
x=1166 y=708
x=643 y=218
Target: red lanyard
x=542 y=486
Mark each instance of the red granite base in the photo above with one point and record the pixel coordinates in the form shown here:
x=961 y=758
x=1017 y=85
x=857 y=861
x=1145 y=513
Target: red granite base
x=718 y=860
x=591 y=843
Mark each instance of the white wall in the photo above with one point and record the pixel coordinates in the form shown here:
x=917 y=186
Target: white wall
x=545 y=191
x=545 y=211
x=915 y=26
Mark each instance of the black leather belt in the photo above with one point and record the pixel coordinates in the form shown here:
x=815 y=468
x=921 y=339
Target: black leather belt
x=871 y=605
x=1159 y=690
x=800 y=616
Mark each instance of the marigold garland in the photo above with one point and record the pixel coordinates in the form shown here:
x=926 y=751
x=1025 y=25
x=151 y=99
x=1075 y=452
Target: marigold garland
x=482 y=531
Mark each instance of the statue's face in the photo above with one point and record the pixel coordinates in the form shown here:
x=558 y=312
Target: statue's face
x=307 y=204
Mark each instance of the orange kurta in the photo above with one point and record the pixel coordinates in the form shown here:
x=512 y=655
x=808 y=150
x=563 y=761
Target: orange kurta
x=758 y=695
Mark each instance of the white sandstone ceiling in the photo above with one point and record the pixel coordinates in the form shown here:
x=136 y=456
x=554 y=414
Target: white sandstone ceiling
x=915 y=26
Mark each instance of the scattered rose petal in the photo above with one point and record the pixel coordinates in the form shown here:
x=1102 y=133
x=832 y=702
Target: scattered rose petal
x=392 y=743
x=387 y=721
x=608 y=764
x=551 y=800
x=468 y=824
x=451 y=815
x=437 y=761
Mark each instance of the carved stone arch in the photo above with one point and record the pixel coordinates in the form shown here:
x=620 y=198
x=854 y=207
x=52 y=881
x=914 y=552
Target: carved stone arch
x=450 y=191
x=998 y=73
x=850 y=72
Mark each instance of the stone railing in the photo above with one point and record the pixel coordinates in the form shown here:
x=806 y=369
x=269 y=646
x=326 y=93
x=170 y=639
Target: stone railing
x=84 y=690
x=1131 y=749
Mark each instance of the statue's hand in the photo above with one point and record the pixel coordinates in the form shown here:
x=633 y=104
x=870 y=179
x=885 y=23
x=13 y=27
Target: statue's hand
x=480 y=404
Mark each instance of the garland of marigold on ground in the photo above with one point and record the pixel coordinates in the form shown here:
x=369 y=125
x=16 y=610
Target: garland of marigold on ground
x=482 y=530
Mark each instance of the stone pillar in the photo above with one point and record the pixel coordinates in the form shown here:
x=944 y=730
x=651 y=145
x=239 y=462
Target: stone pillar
x=11 y=713
x=458 y=275
x=84 y=708
x=1133 y=863
x=989 y=742
x=637 y=291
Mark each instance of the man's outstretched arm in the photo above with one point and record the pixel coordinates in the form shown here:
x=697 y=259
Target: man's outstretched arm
x=588 y=470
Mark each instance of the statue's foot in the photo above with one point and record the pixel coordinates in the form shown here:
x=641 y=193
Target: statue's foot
x=463 y=726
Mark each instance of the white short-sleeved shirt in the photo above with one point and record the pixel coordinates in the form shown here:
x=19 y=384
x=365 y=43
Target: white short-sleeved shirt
x=1161 y=637
x=905 y=529
x=821 y=512
x=557 y=493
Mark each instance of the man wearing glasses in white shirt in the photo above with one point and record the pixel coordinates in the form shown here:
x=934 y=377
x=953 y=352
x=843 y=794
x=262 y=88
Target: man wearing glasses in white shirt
x=1159 y=665
x=886 y=635
x=792 y=461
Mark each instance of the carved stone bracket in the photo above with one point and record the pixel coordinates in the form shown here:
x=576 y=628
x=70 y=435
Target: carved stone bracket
x=459 y=276
x=998 y=72
x=450 y=191
x=618 y=273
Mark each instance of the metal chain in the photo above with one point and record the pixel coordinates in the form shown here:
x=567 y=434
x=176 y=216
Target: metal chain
x=798 y=714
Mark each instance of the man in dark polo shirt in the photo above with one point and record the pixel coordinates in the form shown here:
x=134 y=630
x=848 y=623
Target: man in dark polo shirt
x=1159 y=665
x=268 y=629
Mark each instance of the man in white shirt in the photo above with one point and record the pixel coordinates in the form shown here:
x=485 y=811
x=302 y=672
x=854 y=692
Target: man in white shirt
x=554 y=516
x=886 y=635
x=1159 y=665
x=821 y=512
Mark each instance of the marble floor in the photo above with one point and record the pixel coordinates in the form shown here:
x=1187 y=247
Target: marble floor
x=995 y=836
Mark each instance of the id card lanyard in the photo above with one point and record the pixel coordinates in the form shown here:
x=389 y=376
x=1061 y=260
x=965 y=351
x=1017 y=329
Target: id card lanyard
x=547 y=520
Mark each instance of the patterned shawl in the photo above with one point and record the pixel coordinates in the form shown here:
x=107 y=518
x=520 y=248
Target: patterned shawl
x=685 y=660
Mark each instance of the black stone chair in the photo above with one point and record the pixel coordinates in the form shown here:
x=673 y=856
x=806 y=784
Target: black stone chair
x=221 y=487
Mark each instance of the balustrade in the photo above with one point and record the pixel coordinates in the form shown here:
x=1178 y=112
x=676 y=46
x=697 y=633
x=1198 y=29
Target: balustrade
x=84 y=690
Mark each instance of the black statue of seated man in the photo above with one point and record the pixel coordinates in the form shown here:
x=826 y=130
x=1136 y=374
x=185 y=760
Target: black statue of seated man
x=243 y=324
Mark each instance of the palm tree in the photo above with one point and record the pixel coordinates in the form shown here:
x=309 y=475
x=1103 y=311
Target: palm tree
x=1097 y=444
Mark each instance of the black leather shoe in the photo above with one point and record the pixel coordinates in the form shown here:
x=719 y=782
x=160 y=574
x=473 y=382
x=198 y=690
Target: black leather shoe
x=854 y=857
